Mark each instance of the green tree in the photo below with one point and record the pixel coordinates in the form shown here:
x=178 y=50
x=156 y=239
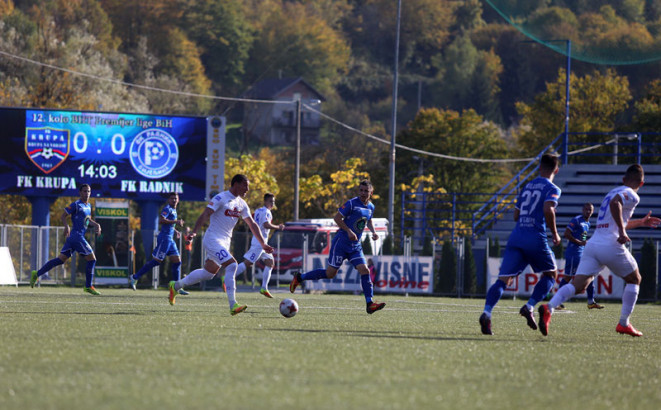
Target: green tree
x=596 y=101
x=470 y=269
x=294 y=42
x=225 y=36
x=367 y=246
x=455 y=134
x=261 y=181
x=648 y=270
x=388 y=245
x=647 y=115
x=327 y=196
x=447 y=272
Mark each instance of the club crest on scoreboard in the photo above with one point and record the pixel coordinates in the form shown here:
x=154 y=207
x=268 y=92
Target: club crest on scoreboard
x=154 y=153
x=47 y=147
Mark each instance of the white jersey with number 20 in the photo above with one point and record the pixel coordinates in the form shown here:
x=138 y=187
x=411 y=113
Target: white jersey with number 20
x=227 y=211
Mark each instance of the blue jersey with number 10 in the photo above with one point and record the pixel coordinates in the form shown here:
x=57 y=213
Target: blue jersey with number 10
x=530 y=204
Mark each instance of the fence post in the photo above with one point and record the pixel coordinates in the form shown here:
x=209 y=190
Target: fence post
x=656 y=276
x=277 y=261
x=459 y=251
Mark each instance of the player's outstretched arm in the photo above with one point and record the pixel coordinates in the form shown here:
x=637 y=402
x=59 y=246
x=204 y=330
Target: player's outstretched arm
x=648 y=221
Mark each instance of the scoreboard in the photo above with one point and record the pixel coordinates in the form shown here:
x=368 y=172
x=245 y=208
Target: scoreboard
x=121 y=155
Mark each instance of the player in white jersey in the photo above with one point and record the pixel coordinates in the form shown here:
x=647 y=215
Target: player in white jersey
x=606 y=248
x=263 y=219
x=222 y=212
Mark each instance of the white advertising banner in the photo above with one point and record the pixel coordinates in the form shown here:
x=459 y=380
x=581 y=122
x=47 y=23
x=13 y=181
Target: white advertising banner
x=394 y=274
x=607 y=285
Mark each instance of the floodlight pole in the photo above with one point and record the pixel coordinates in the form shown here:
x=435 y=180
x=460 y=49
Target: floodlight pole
x=567 y=75
x=391 y=192
x=565 y=138
x=297 y=166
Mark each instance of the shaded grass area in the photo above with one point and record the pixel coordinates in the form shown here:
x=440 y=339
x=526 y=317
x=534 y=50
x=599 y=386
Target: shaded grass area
x=64 y=349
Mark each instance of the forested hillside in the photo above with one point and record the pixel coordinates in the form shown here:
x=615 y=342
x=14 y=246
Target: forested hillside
x=485 y=89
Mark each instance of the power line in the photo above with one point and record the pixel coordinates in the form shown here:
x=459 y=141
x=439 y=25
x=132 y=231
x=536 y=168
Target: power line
x=307 y=107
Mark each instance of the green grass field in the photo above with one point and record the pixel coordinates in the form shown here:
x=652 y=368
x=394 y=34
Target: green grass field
x=63 y=349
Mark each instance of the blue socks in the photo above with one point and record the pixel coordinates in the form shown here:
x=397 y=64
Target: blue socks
x=146 y=268
x=49 y=265
x=176 y=271
x=563 y=282
x=315 y=275
x=89 y=273
x=590 y=292
x=541 y=289
x=368 y=288
x=493 y=295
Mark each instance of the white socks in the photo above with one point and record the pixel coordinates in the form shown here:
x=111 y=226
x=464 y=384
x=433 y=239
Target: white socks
x=240 y=269
x=196 y=276
x=564 y=293
x=629 y=298
x=230 y=284
x=266 y=277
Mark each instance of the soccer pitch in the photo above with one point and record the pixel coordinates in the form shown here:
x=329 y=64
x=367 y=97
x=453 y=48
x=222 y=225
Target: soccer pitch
x=63 y=349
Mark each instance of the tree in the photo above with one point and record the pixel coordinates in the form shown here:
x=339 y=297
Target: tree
x=224 y=35
x=367 y=246
x=648 y=270
x=294 y=42
x=648 y=109
x=447 y=272
x=596 y=102
x=261 y=181
x=470 y=269
x=463 y=134
x=327 y=196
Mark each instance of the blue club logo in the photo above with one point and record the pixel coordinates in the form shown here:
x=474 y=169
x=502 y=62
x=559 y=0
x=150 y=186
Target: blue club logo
x=47 y=147
x=154 y=153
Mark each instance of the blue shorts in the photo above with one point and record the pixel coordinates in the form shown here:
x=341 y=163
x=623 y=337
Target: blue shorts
x=571 y=264
x=76 y=244
x=164 y=247
x=534 y=252
x=342 y=249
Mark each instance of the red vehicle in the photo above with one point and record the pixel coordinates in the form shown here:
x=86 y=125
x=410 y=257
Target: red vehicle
x=319 y=234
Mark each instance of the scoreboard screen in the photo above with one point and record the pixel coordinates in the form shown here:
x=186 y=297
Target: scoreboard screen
x=121 y=155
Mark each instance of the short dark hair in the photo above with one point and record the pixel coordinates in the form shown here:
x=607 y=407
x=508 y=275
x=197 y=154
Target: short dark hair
x=549 y=162
x=172 y=193
x=367 y=183
x=634 y=173
x=268 y=196
x=83 y=186
x=238 y=179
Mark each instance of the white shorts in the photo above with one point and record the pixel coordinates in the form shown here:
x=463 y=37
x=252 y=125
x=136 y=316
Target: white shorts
x=216 y=252
x=256 y=253
x=616 y=257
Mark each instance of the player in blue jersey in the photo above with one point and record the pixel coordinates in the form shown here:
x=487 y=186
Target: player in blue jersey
x=80 y=212
x=165 y=244
x=577 y=236
x=352 y=218
x=527 y=244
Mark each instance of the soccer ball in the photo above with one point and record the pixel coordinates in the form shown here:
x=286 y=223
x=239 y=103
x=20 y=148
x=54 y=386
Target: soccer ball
x=288 y=308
